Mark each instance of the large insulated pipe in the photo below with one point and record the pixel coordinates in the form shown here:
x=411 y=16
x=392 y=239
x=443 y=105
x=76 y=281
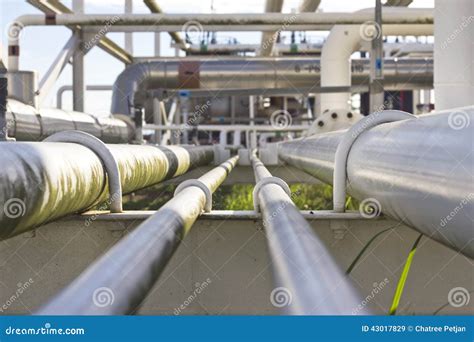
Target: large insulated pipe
x=307 y=279
x=454 y=32
x=416 y=171
x=42 y=181
x=342 y=42
x=256 y=72
x=25 y=123
x=128 y=270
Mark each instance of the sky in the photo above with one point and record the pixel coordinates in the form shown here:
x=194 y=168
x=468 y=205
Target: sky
x=40 y=45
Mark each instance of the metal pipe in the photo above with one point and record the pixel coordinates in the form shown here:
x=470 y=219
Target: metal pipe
x=263 y=73
x=109 y=46
x=43 y=181
x=62 y=89
x=415 y=171
x=305 y=274
x=176 y=37
x=228 y=128
x=269 y=38
x=128 y=271
x=28 y=124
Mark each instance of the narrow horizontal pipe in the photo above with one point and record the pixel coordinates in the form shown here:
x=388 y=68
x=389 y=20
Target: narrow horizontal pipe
x=306 y=276
x=42 y=181
x=128 y=271
x=131 y=215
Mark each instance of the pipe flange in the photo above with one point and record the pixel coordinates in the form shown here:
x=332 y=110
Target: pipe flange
x=343 y=149
x=268 y=180
x=106 y=157
x=200 y=185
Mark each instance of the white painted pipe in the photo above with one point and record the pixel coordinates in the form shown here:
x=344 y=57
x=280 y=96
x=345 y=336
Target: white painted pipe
x=341 y=43
x=454 y=53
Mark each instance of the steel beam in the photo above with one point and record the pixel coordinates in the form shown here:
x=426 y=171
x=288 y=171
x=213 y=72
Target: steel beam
x=130 y=268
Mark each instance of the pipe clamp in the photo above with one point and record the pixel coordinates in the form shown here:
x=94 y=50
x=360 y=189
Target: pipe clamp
x=106 y=157
x=268 y=180
x=344 y=147
x=200 y=185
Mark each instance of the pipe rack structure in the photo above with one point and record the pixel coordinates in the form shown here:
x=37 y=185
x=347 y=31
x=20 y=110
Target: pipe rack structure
x=415 y=170
x=304 y=271
x=129 y=270
x=42 y=181
x=257 y=72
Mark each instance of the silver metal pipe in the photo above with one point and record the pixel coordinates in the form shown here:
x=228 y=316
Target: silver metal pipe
x=128 y=270
x=43 y=181
x=25 y=123
x=418 y=172
x=64 y=88
x=306 y=276
x=245 y=73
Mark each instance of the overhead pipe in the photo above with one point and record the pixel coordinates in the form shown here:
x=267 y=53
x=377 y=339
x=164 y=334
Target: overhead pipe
x=415 y=171
x=42 y=181
x=306 y=276
x=106 y=44
x=130 y=268
x=269 y=38
x=341 y=43
x=212 y=22
x=257 y=72
x=175 y=36
x=26 y=123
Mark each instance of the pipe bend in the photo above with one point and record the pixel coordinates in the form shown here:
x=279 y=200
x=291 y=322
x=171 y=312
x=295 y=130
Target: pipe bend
x=127 y=83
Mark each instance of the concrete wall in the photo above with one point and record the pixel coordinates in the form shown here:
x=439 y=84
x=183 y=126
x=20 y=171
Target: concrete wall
x=229 y=261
